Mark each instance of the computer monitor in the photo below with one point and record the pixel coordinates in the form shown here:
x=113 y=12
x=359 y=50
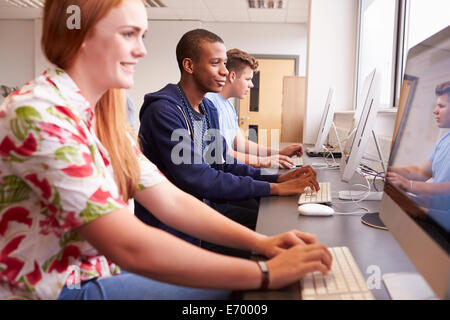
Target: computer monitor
x=325 y=123
x=366 y=112
x=417 y=212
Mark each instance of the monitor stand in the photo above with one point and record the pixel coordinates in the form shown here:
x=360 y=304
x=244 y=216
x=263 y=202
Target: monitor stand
x=335 y=154
x=407 y=286
x=373 y=220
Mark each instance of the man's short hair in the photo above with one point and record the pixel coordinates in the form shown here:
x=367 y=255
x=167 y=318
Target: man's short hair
x=190 y=43
x=443 y=88
x=237 y=60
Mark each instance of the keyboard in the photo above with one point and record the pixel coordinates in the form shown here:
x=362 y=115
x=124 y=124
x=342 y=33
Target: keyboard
x=321 y=196
x=343 y=282
x=322 y=154
x=298 y=161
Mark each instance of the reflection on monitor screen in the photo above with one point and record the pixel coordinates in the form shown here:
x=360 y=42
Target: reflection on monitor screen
x=416 y=204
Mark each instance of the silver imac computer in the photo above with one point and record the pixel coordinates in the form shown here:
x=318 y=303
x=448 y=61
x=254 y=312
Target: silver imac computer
x=416 y=200
x=324 y=128
x=365 y=116
x=359 y=137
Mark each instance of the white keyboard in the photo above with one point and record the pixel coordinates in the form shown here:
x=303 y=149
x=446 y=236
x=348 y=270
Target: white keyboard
x=298 y=161
x=343 y=282
x=321 y=196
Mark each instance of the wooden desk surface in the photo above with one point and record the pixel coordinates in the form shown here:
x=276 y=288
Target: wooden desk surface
x=375 y=251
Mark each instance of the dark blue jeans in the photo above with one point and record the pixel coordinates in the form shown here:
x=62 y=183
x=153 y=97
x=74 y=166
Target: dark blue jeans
x=129 y=286
x=244 y=212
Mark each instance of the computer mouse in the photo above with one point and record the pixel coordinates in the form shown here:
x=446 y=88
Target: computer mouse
x=315 y=209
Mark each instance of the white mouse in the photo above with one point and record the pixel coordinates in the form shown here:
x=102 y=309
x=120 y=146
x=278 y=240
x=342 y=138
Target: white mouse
x=315 y=209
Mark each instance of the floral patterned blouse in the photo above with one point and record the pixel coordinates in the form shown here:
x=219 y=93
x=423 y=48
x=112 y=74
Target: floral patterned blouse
x=55 y=176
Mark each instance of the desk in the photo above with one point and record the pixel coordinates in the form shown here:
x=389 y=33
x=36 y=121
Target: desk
x=369 y=246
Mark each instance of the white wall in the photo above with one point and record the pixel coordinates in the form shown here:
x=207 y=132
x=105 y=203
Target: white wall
x=159 y=67
x=331 y=59
x=22 y=58
x=16 y=53
x=40 y=61
x=265 y=38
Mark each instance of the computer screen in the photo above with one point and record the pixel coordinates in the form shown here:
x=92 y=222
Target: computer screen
x=325 y=123
x=416 y=201
x=366 y=112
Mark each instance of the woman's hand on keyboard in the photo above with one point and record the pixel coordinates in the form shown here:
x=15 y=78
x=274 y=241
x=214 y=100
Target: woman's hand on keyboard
x=297 y=173
x=274 y=245
x=295 y=186
x=294 y=263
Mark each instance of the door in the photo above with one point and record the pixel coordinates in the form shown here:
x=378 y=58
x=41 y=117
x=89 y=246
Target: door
x=293 y=109
x=260 y=111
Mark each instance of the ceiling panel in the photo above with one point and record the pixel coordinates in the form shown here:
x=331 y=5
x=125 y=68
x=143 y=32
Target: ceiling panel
x=184 y=4
x=257 y=15
x=226 y=4
x=230 y=15
x=296 y=11
x=162 y=14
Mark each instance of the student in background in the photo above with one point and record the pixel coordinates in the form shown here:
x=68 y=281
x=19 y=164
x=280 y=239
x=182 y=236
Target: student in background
x=241 y=67
x=68 y=166
x=179 y=132
x=431 y=179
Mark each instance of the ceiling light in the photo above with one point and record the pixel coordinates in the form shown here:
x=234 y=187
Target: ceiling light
x=266 y=4
x=155 y=4
x=27 y=3
x=40 y=3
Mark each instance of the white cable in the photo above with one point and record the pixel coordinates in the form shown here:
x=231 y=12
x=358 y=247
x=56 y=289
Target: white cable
x=332 y=156
x=353 y=213
x=334 y=164
x=366 y=195
x=356 y=202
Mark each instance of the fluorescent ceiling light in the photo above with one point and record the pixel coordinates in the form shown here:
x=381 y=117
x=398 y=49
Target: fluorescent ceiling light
x=267 y=4
x=40 y=3
x=155 y=4
x=27 y=3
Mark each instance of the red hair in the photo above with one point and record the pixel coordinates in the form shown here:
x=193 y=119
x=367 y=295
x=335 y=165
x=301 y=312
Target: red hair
x=61 y=46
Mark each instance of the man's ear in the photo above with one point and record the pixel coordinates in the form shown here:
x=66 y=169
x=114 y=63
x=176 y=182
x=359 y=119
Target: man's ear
x=188 y=65
x=232 y=76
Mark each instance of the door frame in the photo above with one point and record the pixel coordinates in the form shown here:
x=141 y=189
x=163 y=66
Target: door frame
x=274 y=57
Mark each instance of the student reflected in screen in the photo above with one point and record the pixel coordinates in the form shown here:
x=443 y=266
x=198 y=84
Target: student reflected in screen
x=429 y=183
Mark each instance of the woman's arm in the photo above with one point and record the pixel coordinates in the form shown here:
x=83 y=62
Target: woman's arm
x=154 y=253
x=183 y=212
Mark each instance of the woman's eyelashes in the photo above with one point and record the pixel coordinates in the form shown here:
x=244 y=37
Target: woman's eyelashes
x=131 y=34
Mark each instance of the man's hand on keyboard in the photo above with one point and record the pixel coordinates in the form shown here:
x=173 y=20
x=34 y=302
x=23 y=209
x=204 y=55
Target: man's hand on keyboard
x=272 y=246
x=295 y=149
x=292 y=264
x=276 y=161
x=295 y=186
x=297 y=173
